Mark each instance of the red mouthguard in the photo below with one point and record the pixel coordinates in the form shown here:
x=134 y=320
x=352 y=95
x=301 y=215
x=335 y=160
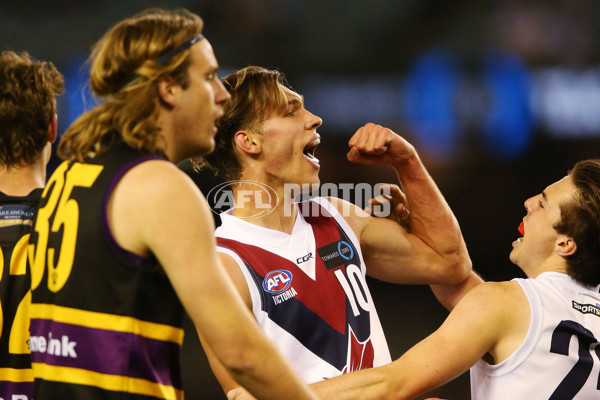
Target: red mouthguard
x=521 y=229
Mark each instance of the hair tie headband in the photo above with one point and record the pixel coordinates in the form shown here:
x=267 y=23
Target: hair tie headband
x=165 y=58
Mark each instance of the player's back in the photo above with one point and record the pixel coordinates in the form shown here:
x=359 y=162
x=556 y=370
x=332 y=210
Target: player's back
x=16 y=215
x=105 y=322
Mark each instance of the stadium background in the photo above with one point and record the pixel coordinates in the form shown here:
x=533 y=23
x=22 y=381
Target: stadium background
x=499 y=97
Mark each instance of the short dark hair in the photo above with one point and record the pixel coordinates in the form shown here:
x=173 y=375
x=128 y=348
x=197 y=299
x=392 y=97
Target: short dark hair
x=580 y=219
x=27 y=105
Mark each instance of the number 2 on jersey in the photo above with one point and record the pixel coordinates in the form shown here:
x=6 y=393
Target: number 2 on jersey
x=17 y=267
x=579 y=374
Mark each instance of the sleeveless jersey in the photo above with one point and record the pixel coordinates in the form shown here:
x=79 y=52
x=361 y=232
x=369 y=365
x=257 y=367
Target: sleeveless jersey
x=105 y=323
x=308 y=289
x=560 y=356
x=16 y=216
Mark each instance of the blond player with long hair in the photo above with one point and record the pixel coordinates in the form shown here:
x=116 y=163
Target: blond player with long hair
x=124 y=242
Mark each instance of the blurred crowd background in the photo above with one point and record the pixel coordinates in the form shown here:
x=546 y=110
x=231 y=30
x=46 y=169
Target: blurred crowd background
x=500 y=98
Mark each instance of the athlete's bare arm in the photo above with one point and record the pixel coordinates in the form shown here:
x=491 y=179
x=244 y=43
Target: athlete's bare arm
x=239 y=282
x=450 y=295
x=176 y=226
x=492 y=321
x=434 y=250
x=492 y=318
x=391 y=253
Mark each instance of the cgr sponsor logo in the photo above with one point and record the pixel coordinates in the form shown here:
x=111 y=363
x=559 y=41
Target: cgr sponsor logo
x=304 y=259
x=277 y=281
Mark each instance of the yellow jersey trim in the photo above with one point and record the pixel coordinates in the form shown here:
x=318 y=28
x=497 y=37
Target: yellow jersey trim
x=116 y=383
x=97 y=320
x=16 y=375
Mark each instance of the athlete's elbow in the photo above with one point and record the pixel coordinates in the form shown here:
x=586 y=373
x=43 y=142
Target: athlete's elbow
x=458 y=268
x=406 y=388
x=389 y=383
x=241 y=362
x=399 y=391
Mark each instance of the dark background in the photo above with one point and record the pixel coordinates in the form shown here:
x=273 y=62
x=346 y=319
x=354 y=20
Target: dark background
x=500 y=98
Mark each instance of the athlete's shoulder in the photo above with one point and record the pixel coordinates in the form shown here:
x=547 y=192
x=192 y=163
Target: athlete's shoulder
x=157 y=175
x=494 y=300
x=344 y=207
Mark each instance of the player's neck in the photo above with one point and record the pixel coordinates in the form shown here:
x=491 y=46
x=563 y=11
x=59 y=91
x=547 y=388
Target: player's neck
x=174 y=149
x=21 y=181
x=265 y=209
x=554 y=263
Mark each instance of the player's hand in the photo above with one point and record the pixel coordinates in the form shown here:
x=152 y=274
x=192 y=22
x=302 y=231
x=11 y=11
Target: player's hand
x=374 y=144
x=393 y=200
x=239 y=393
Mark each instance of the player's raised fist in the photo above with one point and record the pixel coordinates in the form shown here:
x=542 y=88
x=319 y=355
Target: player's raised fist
x=375 y=144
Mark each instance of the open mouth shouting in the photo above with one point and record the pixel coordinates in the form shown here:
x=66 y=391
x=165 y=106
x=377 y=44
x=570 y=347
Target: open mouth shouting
x=309 y=152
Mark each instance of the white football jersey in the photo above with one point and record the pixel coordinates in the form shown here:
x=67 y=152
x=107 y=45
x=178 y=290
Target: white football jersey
x=309 y=293
x=560 y=357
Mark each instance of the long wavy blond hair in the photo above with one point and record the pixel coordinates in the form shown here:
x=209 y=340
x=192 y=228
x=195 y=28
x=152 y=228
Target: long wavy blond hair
x=124 y=74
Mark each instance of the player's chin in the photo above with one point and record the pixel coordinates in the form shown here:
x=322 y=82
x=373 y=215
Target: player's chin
x=514 y=256
x=207 y=147
x=315 y=180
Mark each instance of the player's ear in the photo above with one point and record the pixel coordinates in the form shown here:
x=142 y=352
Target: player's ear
x=565 y=246
x=248 y=142
x=167 y=90
x=53 y=129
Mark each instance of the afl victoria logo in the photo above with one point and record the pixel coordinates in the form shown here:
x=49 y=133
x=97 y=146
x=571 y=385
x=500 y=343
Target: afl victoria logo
x=260 y=196
x=277 y=281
